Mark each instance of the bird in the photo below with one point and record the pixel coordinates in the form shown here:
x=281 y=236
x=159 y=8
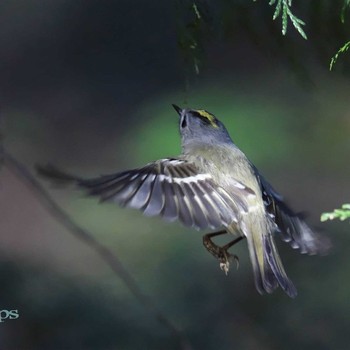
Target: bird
x=211 y=185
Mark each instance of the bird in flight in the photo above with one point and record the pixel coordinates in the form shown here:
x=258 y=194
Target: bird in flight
x=211 y=185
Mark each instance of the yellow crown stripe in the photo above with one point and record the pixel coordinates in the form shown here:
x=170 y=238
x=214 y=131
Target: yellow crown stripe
x=208 y=116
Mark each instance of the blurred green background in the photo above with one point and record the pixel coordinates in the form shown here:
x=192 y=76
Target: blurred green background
x=88 y=86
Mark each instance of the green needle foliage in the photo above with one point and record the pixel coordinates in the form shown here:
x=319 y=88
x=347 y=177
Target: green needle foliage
x=345 y=6
x=346 y=46
x=343 y=49
x=283 y=6
x=341 y=214
x=201 y=21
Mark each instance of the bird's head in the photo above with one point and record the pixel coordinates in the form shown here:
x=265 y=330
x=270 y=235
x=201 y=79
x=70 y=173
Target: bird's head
x=199 y=126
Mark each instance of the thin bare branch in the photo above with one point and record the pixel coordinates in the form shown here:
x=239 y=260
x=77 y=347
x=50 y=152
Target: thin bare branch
x=86 y=237
x=1 y=142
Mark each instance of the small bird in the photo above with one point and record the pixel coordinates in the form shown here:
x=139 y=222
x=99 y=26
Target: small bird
x=211 y=185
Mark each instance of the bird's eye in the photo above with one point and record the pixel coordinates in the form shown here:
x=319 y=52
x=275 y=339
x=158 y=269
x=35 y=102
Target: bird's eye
x=183 y=122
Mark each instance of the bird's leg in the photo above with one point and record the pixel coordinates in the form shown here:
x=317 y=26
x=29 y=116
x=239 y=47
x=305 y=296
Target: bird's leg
x=211 y=247
x=221 y=253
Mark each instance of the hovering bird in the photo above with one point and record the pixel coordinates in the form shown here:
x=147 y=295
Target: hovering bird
x=211 y=185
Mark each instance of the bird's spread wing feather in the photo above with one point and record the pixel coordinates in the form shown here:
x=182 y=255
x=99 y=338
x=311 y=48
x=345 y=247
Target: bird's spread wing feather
x=291 y=227
x=171 y=188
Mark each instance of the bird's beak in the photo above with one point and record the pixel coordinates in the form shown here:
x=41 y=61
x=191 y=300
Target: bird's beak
x=177 y=109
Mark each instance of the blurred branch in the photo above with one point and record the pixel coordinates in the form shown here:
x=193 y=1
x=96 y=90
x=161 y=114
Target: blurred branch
x=86 y=237
x=1 y=143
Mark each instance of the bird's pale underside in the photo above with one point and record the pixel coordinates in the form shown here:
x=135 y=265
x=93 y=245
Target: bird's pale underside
x=211 y=186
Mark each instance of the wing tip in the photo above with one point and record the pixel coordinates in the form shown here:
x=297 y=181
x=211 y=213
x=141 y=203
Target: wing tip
x=52 y=173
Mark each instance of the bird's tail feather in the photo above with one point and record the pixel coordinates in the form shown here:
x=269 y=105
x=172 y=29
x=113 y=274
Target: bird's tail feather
x=264 y=279
x=267 y=265
x=275 y=263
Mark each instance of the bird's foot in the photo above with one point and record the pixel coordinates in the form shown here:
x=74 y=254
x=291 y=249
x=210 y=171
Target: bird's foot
x=221 y=253
x=225 y=259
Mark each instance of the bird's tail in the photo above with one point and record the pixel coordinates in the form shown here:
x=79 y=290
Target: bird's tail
x=267 y=265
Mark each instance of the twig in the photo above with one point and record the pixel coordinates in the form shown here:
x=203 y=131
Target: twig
x=1 y=142
x=86 y=237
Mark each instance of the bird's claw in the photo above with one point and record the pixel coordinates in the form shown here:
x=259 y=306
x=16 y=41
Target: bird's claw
x=225 y=266
x=225 y=258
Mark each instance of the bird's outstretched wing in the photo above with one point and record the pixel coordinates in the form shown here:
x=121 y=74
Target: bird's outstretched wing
x=171 y=188
x=291 y=226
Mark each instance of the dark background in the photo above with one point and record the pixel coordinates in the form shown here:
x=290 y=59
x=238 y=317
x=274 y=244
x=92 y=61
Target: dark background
x=88 y=86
